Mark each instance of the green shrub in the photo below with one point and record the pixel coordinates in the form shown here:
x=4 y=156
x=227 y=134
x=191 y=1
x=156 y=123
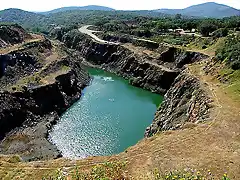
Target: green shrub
x=188 y=174
x=222 y=32
x=207 y=27
x=229 y=52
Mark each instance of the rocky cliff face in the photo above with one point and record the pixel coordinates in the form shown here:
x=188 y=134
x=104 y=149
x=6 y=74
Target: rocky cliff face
x=38 y=104
x=178 y=57
x=38 y=83
x=22 y=63
x=155 y=74
x=12 y=34
x=123 y=62
x=41 y=100
x=184 y=102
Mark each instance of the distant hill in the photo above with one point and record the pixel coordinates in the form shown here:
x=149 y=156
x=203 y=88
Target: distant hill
x=90 y=7
x=71 y=16
x=26 y=19
x=65 y=16
x=15 y=15
x=145 y=13
x=209 y=9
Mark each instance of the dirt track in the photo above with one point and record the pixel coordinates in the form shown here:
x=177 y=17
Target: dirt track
x=85 y=30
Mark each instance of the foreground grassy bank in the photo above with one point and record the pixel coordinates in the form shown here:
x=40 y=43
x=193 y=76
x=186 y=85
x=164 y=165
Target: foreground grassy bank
x=111 y=170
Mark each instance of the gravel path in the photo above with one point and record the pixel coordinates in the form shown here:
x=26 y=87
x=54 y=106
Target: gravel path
x=85 y=30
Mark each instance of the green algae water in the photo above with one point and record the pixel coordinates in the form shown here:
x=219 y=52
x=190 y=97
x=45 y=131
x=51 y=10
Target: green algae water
x=110 y=116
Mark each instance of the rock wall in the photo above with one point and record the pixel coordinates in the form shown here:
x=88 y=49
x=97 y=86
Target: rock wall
x=143 y=71
x=24 y=106
x=12 y=34
x=21 y=63
x=184 y=102
x=38 y=83
x=23 y=97
x=125 y=63
x=27 y=116
x=178 y=57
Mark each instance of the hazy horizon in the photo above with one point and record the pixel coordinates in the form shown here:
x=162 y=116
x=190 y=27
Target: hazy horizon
x=45 y=5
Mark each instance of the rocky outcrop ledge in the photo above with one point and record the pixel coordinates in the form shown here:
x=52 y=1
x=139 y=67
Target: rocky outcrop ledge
x=27 y=116
x=37 y=84
x=185 y=102
x=152 y=73
x=12 y=34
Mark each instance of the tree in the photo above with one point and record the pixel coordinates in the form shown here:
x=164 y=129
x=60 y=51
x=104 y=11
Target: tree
x=206 y=28
x=178 y=16
x=229 y=52
x=222 y=32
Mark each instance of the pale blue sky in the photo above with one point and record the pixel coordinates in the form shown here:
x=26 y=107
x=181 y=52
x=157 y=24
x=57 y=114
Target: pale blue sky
x=44 y=5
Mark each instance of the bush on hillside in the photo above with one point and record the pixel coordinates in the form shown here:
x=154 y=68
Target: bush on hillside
x=206 y=28
x=222 y=32
x=229 y=52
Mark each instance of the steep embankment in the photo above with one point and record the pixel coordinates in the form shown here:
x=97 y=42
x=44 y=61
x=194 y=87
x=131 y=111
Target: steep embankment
x=143 y=70
x=39 y=81
x=184 y=102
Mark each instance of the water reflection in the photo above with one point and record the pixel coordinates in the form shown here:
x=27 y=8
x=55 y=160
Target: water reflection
x=110 y=117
